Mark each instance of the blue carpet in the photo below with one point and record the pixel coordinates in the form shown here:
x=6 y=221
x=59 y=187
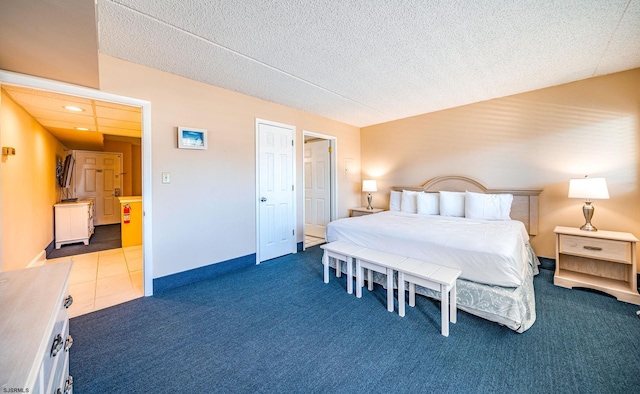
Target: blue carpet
x=277 y=327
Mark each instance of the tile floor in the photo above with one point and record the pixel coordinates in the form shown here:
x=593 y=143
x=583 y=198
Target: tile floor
x=310 y=241
x=102 y=279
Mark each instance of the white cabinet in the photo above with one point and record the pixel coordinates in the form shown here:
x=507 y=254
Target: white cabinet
x=74 y=222
x=34 y=333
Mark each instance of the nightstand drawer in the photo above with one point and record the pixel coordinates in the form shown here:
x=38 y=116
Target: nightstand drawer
x=603 y=249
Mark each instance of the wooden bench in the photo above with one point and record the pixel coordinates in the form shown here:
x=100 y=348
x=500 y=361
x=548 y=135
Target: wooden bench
x=413 y=271
x=341 y=251
x=432 y=276
x=382 y=262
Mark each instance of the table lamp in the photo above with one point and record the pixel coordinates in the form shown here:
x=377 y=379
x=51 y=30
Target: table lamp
x=588 y=189
x=369 y=186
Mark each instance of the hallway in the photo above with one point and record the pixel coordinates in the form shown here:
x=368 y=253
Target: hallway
x=102 y=279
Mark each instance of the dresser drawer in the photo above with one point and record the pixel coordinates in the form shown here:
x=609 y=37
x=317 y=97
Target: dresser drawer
x=602 y=249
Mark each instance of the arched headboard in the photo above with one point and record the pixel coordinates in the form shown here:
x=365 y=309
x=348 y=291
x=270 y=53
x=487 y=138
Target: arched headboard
x=525 y=201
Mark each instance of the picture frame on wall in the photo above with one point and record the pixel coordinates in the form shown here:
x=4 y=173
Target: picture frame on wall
x=192 y=138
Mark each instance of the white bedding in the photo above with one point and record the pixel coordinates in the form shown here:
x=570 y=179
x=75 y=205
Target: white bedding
x=488 y=252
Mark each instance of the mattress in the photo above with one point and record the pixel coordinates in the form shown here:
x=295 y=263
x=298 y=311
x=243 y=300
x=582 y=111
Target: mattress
x=487 y=252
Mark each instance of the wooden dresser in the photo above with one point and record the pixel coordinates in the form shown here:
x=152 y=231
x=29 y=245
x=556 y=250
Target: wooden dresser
x=34 y=330
x=363 y=211
x=74 y=222
x=599 y=260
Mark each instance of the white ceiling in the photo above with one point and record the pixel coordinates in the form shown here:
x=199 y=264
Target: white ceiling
x=368 y=62
x=99 y=117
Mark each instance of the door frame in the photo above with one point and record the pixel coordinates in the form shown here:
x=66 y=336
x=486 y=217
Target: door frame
x=11 y=78
x=333 y=170
x=294 y=216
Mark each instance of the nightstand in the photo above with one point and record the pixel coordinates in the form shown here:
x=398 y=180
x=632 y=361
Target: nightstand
x=599 y=260
x=364 y=211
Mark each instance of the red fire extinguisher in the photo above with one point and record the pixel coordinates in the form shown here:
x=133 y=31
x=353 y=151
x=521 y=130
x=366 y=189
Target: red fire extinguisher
x=126 y=214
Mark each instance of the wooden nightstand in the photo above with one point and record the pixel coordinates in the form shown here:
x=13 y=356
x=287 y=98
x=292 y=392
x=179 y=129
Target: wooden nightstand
x=600 y=260
x=364 y=211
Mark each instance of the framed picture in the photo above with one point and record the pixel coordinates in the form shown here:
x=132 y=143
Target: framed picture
x=192 y=138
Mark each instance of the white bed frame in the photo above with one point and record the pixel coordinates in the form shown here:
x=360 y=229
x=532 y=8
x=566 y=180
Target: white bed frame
x=525 y=201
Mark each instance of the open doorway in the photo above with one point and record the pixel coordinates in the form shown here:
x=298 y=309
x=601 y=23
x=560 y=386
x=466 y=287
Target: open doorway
x=319 y=179
x=137 y=258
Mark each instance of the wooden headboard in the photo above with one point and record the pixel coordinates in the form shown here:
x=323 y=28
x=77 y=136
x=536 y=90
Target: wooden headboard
x=525 y=201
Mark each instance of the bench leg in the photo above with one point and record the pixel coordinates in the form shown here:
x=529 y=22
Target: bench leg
x=389 y=289
x=359 y=279
x=325 y=262
x=412 y=294
x=369 y=279
x=338 y=268
x=453 y=304
x=349 y=275
x=444 y=309
x=401 y=293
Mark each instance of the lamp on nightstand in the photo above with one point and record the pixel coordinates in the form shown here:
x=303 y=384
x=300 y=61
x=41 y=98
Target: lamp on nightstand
x=588 y=189
x=369 y=186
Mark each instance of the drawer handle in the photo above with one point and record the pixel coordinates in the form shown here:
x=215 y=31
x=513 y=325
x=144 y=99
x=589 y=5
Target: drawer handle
x=68 y=384
x=57 y=345
x=592 y=248
x=68 y=301
x=68 y=343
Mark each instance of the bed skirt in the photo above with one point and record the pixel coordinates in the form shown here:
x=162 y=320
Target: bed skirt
x=513 y=307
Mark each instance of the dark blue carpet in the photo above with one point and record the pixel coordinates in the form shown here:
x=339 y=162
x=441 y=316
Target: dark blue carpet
x=104 y=237
x=278 y=327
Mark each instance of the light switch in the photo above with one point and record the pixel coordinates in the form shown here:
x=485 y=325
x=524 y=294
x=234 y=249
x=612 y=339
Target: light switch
x=166 y=177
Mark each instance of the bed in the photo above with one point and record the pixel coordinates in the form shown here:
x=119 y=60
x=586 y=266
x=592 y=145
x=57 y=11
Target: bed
x=490 y=245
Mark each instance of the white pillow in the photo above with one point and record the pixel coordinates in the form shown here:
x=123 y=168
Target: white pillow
x=429 y=204
x=488 y=206
x=409 y=201
x=394 y=201
x=452 y=204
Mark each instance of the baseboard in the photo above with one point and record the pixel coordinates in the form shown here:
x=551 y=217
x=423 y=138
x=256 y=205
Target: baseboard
x=39 y=259
x=202 y=273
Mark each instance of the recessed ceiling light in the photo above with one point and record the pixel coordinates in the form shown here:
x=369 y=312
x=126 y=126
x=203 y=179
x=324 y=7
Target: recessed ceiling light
x=82 y=128
x=73 y=108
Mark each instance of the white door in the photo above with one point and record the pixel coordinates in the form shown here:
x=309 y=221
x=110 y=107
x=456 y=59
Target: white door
x=317 y=189
x=97 y=177
x=276 y=209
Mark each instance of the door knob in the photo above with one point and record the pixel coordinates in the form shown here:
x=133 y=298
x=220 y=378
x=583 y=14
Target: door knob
x=263 y=199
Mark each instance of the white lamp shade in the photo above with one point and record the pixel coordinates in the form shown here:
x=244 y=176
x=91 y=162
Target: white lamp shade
x=588 y=189
x=369 y=185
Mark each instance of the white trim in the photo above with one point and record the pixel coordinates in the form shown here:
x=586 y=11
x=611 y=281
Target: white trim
x=12 y=78
x=294 y=243
x=38 y=260
x=333 y=143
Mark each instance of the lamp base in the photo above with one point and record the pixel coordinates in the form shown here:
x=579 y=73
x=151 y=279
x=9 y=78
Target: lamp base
x=588 y=227
x=588 y=210
x=369 y=198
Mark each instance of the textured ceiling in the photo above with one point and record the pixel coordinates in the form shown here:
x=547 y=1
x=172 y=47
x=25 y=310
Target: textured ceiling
x=368 y=62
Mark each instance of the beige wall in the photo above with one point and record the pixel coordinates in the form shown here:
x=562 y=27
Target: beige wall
x=136 y=170
x=207 y=213
x=539 y=139
x=29 y=188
